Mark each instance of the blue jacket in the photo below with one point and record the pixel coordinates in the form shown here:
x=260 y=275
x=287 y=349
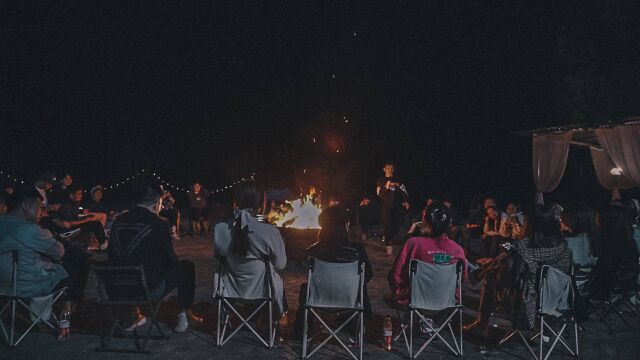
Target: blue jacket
x=38 y=252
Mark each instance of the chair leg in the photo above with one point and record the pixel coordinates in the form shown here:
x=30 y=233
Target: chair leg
x=305 y=334
x=575 y=329
x=13 y=324
x=218 y=340
x=411 y=335
x=270 y=332
x=361 y=333
x=541 y=336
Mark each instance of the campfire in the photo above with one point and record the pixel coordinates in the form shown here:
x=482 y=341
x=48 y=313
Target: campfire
x=301 y=213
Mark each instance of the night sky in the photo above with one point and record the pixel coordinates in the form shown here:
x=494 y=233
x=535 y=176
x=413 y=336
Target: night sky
x=215 y=92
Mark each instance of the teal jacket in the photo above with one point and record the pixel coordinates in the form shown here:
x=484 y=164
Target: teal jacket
x=38 y=253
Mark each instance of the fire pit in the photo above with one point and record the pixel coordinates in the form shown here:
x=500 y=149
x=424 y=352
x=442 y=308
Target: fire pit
x=299 y=225
x=296 y=241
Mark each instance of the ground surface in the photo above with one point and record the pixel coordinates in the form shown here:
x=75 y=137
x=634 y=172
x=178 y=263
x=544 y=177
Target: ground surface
x=200 y=343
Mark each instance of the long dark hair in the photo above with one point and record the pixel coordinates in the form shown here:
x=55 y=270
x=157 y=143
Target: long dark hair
x=247 y=199
x=617 y=231
x=545 y=227
x=333 y=221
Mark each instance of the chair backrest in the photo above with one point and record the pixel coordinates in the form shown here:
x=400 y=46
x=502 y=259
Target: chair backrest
x=580 y=250
x=9 y=273
x=555 y=292
x=226 y=283
x=335 y=285
x=435 y=286
x=125 y=285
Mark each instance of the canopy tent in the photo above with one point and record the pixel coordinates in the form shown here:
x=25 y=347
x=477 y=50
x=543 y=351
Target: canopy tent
x=614 y=146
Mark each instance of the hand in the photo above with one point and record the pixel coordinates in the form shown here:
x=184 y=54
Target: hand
x=85 y=212
x=53 y=207
x=406 y=205
x=387 y=185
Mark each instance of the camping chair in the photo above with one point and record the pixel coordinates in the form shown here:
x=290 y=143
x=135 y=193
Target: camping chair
x=626 y=287
x=434 y=288
x=334 y=287
x=125 y=287
x=226 y=297
x=555 y=304
x=12 y=299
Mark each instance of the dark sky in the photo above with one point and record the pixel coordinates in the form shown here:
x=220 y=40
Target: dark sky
x=216 y=91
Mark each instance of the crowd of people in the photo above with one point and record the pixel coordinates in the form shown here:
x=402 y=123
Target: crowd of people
x=51 y=226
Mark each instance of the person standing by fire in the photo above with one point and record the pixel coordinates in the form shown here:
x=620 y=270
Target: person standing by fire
x=393 y=197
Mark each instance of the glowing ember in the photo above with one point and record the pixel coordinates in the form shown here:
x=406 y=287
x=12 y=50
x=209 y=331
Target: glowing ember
x=299 y=214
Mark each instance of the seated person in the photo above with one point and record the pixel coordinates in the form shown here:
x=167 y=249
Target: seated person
x=333 y=245
x=72 y=215
x=579 y=228
x=491 y=232
x=512 y=211
x=46 y=264
x=140 y=237
x=419 y=228
x=424 y=248
x=97 y=204
x=243 y=243
x=170 y=213
x=620 y=250
x=3 y=205
x=544 y=246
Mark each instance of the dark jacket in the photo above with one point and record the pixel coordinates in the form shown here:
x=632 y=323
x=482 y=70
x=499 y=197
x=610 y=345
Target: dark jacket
x=140 y=237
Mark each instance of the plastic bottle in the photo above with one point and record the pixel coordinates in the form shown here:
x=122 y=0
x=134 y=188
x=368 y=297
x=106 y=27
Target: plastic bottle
x=387 y=332
x=283 y=327
x=64 y=325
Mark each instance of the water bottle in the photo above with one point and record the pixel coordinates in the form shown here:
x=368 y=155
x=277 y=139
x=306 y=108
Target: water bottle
x=283 y=327
x=64 y=325
x=387 y=332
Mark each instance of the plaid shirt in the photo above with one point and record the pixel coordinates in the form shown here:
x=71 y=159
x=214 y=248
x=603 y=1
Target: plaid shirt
x=525 y=267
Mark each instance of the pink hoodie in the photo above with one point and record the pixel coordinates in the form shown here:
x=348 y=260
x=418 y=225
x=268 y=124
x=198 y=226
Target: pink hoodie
x=421 y=248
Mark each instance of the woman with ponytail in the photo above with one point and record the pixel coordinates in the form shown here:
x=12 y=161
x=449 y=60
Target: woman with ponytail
x=433 y=248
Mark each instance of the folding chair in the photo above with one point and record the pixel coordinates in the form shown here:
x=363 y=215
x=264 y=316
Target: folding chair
x=626 y=287
x=334 y=287
x=226 y=296
x=434 y=288
x=555 y=304
x=12 y=299
x=121 y=288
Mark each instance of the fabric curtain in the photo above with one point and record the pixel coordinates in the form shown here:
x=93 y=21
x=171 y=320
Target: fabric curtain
x=622 y=144
x=550 y=151
x=603 y=165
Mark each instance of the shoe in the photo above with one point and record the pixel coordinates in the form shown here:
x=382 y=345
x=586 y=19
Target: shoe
x=104 y=245
x=187 y=319
x=139 y=322
x=175 y=236
x=472 y=325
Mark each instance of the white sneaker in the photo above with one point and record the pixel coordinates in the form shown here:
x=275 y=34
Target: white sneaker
x=183 y=323
x=141 y=321
x=104 y=245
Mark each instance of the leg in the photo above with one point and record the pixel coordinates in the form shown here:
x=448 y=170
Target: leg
x=385 y=218
x=96 y=228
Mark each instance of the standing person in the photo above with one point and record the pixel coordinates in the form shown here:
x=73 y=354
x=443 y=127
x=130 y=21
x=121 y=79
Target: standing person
x=141 y=237
x=393 y=197
x=198 y=208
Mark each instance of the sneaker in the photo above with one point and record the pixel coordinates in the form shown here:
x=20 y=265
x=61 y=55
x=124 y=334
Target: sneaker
x=139 y=322
x=427 y=328
x=183 y=323
x=104 y=245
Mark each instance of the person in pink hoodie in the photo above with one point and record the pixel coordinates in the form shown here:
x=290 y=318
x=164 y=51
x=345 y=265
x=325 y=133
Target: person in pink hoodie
x=436 y=247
